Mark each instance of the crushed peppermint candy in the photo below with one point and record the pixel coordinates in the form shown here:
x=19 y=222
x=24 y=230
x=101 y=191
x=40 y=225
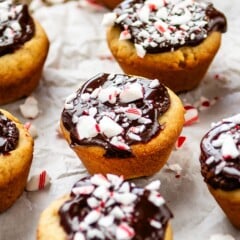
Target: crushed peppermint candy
x=38 y=181
x=221 y=154
x=118 y=213
x=29 y=109
x=191 y=115
x=115 y=111
x=158 y=26
x=16 y=26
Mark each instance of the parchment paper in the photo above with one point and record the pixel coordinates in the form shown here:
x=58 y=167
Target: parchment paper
x=79 y=51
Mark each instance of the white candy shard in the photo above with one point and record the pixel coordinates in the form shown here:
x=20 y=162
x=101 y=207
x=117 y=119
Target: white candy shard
x=38 y=181
x=106 y=221
x=124 y=232
x=119 y=144
x=131 y=93
x=156 y=198
x=155 y=224
x=229 y=148
x=83 y=190
x=125 y=35
x=154 y=83
x=102 y=193
x=92 y=202
x=154 y=185
x=30 y=108
x=108 y=95
x=87 y=127
x=133 y=113
x=100 y=180
x=191 y=116
x=109 y=127
x=109 y=19
x=79 y=236
x=144 y=13
x=125 y=198
x=141 y=52
x=95 y=234
x=92 y=217
x=117 y=213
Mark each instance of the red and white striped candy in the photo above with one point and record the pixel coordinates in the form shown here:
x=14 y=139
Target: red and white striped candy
x=108 y=95
x=124 y=35
x=161 y=26
x=38 y=181
x=124 y=232
x=191 y=115
x=119 y=144
x=133 y=113
x=131 y=93
x=229 y=148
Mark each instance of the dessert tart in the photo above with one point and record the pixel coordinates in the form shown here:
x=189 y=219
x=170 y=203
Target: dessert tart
x=121 y=124
x=108 y=208
x=220 y=165
x=23 y=50
x=173 y=41
x=16 y=152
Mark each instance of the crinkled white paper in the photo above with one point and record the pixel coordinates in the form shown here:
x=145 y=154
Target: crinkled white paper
x=79 y=51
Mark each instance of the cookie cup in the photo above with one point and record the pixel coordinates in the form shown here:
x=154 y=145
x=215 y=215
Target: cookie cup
x=49 y=224
x=148 y=158
x=229 y=201
x=180 y=70
x=15 y=166
x=21 y=70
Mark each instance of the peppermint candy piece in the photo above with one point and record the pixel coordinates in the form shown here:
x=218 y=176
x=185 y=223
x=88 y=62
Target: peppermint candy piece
x=191 y=115
x=133 y=113
x=229 y=149
x=124 y=232
x=30 y=108
x=109 y=19
x=125 y=35
x=141 y=51
x=108 y=95
x=180 y=141
x=87 y=127
x=131 y=92
x=155 y=185
x=38 y=182
x=109 y=128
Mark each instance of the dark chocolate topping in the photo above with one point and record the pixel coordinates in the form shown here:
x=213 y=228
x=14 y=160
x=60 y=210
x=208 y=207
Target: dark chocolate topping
x=112 y=209
x=220 y=158
x=9 y=134
x=16 y=26
x=122 y=110
x=168 y=26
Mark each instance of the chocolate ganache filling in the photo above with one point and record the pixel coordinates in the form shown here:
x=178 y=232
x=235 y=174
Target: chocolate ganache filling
x=16 y=26
x=115 y=111
x=109 y=208
x=9 y=135
x=220 y=156
x=160 y=26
